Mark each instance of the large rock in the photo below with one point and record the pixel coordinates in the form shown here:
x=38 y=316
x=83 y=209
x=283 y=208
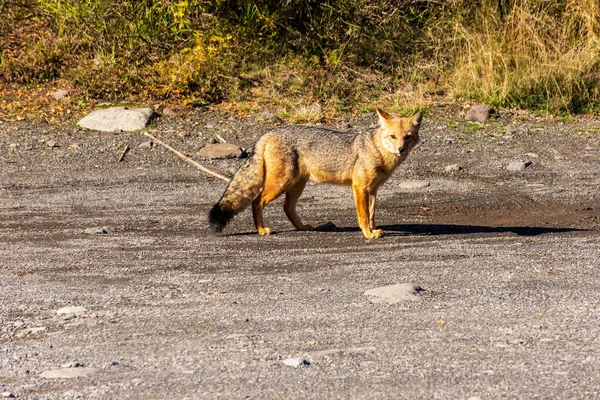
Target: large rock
x=479 y=113
x=117 y=119
x=220 y=150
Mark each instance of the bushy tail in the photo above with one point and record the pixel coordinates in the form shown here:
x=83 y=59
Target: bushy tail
x=243 y=188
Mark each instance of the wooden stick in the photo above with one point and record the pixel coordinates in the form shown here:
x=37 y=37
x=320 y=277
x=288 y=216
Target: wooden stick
x=187 y=159
x=123 y=153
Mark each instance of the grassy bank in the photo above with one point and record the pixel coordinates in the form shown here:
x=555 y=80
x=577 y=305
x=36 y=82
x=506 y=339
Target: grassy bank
x=347 y=54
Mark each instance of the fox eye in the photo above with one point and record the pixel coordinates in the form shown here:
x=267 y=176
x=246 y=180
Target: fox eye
x=392 y=136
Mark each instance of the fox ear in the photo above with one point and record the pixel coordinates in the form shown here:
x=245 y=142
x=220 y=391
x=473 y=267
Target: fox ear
x=383 y=116
x=416 y=120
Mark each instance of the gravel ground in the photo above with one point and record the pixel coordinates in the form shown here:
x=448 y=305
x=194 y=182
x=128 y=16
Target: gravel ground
x=508 y=263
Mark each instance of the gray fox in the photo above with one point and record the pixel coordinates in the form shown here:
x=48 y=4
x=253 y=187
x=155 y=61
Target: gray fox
x=284 y=160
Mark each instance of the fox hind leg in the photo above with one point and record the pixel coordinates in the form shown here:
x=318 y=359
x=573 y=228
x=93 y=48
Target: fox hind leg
x=279 y=177
x=289 y=206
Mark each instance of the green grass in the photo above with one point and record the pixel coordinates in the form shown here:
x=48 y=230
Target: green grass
x=347 y=54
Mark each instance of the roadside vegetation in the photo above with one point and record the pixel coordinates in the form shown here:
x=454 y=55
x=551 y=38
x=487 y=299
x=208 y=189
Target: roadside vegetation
x=347 y=54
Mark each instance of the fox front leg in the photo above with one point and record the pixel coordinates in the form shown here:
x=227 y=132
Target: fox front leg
x=361 y=199
x=372 y=200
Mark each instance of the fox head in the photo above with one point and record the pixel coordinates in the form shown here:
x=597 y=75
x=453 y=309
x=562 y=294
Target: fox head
x=399 y=135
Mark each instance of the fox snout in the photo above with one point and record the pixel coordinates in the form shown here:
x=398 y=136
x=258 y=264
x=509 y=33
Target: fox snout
x=402 y=149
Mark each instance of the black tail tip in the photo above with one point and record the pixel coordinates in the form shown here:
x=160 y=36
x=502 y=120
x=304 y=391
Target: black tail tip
x=218 y=218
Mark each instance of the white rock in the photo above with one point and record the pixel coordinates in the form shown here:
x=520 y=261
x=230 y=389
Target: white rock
x=96 y=230
x=453 y=168
x=76 y=310
x=59 y=94
x=518 y=165
x=8 y=395
x=68 y=373
x=393 y=294
x=413 y=185
x=296 y=362
x=117 y=119
x=33 y=331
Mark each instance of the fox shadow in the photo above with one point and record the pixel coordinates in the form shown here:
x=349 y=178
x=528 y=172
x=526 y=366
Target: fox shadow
x=448 y=229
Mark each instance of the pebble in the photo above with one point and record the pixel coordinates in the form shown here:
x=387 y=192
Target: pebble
x=77 y=310
x=296 y=362
x=413 y=185
x=33 y=331
x=96 y=230
x=72 y=364
x=269 y=117
x=168 y=112
x=326 y=227
x=220 y=150
x=211 y=124
x=453 y=168
x=8 y=395
x=52 y=144
x=393 y=294
x=59 y=94
x=479 y=113
x=518 y=165
x=68 y=373
x=146 y=145
x=316 y=107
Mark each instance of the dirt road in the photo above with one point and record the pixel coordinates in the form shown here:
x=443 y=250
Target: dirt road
x=508 y=263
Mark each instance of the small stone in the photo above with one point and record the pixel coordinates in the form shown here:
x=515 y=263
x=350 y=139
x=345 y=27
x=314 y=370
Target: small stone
x=52 y=144
x=296 y=362
x=269 y=117
x=326 y=227
x=30 y=331
x=96 y=230
x=532 y=155
x=453 y=168
x=211 y=124
x=316 y=107
x=479 y=113
x=146 y=145
x=183 y=134
x=59 y=94
x=8 y=395
x=502 y=121
x=393 y=294
x=68 y=373
x=220 y=150
x=72 y=364
x=413 y=185
x=518 y=165
x=76 y=310
x=168 y=112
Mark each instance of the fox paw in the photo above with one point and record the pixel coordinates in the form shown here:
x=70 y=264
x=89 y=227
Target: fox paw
x=306 y=228
x=376 y=234
x=264 y=231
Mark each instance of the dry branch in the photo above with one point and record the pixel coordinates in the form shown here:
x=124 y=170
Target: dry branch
x=187 y=159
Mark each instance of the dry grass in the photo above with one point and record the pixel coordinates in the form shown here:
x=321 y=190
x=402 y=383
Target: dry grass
x=539 y=55
x=348 y=55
